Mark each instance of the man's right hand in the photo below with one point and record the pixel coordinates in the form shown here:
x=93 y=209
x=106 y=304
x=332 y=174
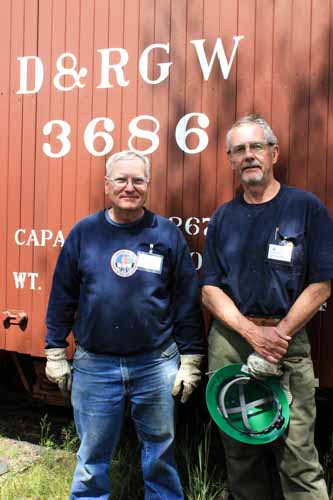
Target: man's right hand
x=269 y=342
x=58 y=369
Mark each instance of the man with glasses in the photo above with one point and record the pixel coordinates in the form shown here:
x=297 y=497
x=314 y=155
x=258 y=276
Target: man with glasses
x=267 y=268
x=126 y=285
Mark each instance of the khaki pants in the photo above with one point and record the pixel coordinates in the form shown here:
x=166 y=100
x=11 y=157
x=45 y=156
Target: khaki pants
x=287 y=468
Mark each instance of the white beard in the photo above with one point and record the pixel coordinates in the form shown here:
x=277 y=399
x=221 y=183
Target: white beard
x=251 y=179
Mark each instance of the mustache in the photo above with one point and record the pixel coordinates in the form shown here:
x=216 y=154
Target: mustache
x=249 y=164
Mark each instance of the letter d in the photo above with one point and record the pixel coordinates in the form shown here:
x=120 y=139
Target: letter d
x=39 y=74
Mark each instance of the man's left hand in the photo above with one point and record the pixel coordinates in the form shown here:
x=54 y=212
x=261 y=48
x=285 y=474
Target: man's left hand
x=188 y=376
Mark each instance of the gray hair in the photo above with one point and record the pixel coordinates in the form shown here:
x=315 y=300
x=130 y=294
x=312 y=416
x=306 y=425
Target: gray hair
x=123 y=155
x=269 y=135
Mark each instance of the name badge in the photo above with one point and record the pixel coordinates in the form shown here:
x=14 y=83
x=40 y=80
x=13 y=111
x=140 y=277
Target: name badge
x=150 y=262
x=281 y=252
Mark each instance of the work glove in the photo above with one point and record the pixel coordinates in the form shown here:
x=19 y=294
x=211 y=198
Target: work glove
x=260 y=368
x=188 y=376
x=58 y=369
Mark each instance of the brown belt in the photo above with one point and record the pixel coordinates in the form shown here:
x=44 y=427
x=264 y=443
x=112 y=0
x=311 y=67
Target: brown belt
x=263 y=321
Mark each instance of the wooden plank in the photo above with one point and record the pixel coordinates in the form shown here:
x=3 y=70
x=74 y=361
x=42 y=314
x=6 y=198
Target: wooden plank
x=193 y=99
x=71 y=169
x=28 y=175
x=158 y=194
x=227 y=102
x=246 y=62
x=130 y=92
x=281 y=81
x=263 y=59
x=178 y=42
x=319 y=77
x=145 y=91
x=12 y=339
x=55 y=179
x=42 y=172
x=329 y=170
x=6 y=57
x=300 y=89
x=210 y=94
x=86 y=58
x=99 y=105
x=115 y=94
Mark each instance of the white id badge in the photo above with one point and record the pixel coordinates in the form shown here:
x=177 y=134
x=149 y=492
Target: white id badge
x=281 y=252
x=150 y=262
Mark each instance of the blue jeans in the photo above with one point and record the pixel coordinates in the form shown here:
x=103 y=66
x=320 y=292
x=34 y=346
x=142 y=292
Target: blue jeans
x=101 y=385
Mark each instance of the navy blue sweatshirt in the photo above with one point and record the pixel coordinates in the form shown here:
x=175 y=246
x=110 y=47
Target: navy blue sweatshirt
x=125 y=288
x=237 y=252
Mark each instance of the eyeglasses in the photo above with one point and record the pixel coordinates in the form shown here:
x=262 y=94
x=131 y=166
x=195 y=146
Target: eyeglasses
x=137 y=182
x=256 y=148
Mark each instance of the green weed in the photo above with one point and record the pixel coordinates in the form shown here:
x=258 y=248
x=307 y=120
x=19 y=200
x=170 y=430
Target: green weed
x=201 y=479
x=69 y=438
x=47 y=439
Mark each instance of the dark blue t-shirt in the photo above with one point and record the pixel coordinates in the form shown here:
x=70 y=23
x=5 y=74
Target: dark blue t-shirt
x=241 y=258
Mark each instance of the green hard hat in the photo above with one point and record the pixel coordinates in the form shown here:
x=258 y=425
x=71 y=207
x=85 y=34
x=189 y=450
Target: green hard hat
x=247 y=409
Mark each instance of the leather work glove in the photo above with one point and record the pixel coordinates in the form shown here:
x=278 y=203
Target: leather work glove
x=58 y=369
x=260 y=368
x=285 y=386
x=188 y=376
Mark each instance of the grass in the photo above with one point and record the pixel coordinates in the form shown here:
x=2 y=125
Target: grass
x=51 y=476
x=198 y=451
x=201 y=479
x=328 y=469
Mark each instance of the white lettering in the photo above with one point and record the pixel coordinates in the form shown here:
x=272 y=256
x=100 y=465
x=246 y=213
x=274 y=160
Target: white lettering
x=46 y=235
x=164 y=67
x=182 y=133
x=106 y=66
x=144 y=134
x=90 y=136
x=205 y=219
x=32 y=277
x=59 y=239
x=19 y=279
x=198 y=257
x=176 y=220
x=38 y=238
x=192 y=226
x=33 y=239
x=69 y=72
x=16 y=237
x=219 y=51
x=63 y=138
x=39 y=74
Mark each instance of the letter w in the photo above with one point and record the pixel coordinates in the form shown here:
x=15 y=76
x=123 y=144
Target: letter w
x=19 y=279
x=219 y=51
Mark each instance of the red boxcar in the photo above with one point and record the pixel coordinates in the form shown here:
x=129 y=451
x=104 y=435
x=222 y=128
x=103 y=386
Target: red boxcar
x=81 y=79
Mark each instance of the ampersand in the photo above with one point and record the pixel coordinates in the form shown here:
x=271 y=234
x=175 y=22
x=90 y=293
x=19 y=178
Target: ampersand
x=70 y=72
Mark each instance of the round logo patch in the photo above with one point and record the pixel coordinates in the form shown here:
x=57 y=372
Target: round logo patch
x=124 y=263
